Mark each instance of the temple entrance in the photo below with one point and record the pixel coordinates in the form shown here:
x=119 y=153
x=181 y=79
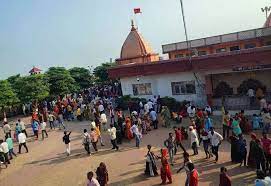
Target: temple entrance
x=237 y=88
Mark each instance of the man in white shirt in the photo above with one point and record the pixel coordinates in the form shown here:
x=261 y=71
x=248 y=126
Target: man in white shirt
x=154 y=101
x=215 y=139
x=146 y=108
x=154 y=119
x=43 y=130
x=191 y=110
x=4 y=149
x=101 y=108
x=134 y=130
x=103 y=121
x=22 y=125
x=251 y=95
x=112 y=132
x=22 y=141
x=150 y=104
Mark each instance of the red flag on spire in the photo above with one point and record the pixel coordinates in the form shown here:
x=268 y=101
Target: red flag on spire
x=137 y=11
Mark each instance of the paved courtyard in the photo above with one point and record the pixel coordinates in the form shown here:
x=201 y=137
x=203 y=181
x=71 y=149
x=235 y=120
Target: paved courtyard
x=46 y=163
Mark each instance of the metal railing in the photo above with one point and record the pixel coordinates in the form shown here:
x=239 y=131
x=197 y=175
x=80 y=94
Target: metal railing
x=237 y=36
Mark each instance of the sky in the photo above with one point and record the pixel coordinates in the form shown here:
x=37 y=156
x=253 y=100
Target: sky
x=84 y=33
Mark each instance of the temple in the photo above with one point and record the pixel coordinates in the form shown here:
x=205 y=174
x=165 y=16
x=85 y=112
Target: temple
x=35 y=71
x=200 y=70
x=135 y=50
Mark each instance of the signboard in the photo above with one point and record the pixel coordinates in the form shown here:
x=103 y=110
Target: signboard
x=249 y=68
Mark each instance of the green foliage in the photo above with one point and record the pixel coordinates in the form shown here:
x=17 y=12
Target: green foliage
x=249 y=84
x=12 y=80
x=7 y=96
x=173 y=104
x=60 y=81
x=81 y=76
x=31 y=88
x=124 y=101
x=101 y=72
x=223 y=89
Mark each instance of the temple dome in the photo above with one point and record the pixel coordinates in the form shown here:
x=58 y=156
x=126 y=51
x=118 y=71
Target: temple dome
x=268 y=22
x=134 y=45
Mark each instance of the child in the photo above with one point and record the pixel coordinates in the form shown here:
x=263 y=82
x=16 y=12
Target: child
x=43 y=130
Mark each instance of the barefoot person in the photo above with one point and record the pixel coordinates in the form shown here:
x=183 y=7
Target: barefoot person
x=86 y=141
x=215 y=139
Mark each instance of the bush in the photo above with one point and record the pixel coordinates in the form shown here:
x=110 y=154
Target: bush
x=124 y=101
x=173 y=104
x=223 y=89
x=249 y=84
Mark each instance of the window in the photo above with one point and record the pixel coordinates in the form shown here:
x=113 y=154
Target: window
x=221 y=50
x=202 y=53
x=250 y=45
x=234 y=48
x=184 y=87
x=191 y=54
x=178 y=55
x=142 y=89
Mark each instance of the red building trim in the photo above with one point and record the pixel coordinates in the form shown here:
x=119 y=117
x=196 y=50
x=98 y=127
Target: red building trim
x=228 y=60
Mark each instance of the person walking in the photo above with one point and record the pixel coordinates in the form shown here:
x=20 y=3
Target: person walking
x=194 y=175
x=242 y=144
x=135 y=131
x=170 y=144
x=22 y=125
x=43 y=130
x=86 y=141
x=178 y=139
x=165 y=168
x=226 y=123
x=66 y=140
x=224 y=179
x=51 y=119
x=10 y=148
x=266 y=142
x=22 y=142
x=17 y=130
x=102 y=174
x=35 y=127
x=215 y=139
x=206 y=142
x=4 y=150
x=185 y=163
x=194 y=140
x=151 y=168
x=153 y=116
x=112 y=132
x=103 y=121
x=94 y=139
x=7 y=130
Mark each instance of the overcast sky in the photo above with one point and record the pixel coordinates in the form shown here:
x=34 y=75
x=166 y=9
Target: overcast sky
x=69 y=33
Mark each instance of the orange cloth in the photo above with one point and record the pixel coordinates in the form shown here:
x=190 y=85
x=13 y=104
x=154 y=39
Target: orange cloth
x=128 y=124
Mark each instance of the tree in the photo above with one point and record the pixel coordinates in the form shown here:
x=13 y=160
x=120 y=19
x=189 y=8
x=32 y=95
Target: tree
x=81 y=76
x=60 y=81
x=12 y=80
x=31 y=88
x=223 y=89
x=7 y=96
x=101 y=72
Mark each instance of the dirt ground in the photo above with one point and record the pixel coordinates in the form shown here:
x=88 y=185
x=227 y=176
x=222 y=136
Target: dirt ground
x=46 y=163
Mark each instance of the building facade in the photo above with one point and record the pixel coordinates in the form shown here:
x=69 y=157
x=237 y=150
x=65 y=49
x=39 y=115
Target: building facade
x=196 y=70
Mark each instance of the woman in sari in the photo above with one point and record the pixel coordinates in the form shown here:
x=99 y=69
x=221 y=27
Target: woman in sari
x=235 y=126
x=151 y=168
x=165 y=169
x=102 y=174
x=252 y=149
x=244 y=124
x=128 y=125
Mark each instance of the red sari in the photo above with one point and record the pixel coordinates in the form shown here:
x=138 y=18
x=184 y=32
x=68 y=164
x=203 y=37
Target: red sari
x=165 y=169
x=128 y=125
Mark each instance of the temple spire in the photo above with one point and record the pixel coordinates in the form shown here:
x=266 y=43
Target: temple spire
x=133 y=25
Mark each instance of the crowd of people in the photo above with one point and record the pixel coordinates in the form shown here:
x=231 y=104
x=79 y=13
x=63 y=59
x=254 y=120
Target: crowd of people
x=98 y=107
